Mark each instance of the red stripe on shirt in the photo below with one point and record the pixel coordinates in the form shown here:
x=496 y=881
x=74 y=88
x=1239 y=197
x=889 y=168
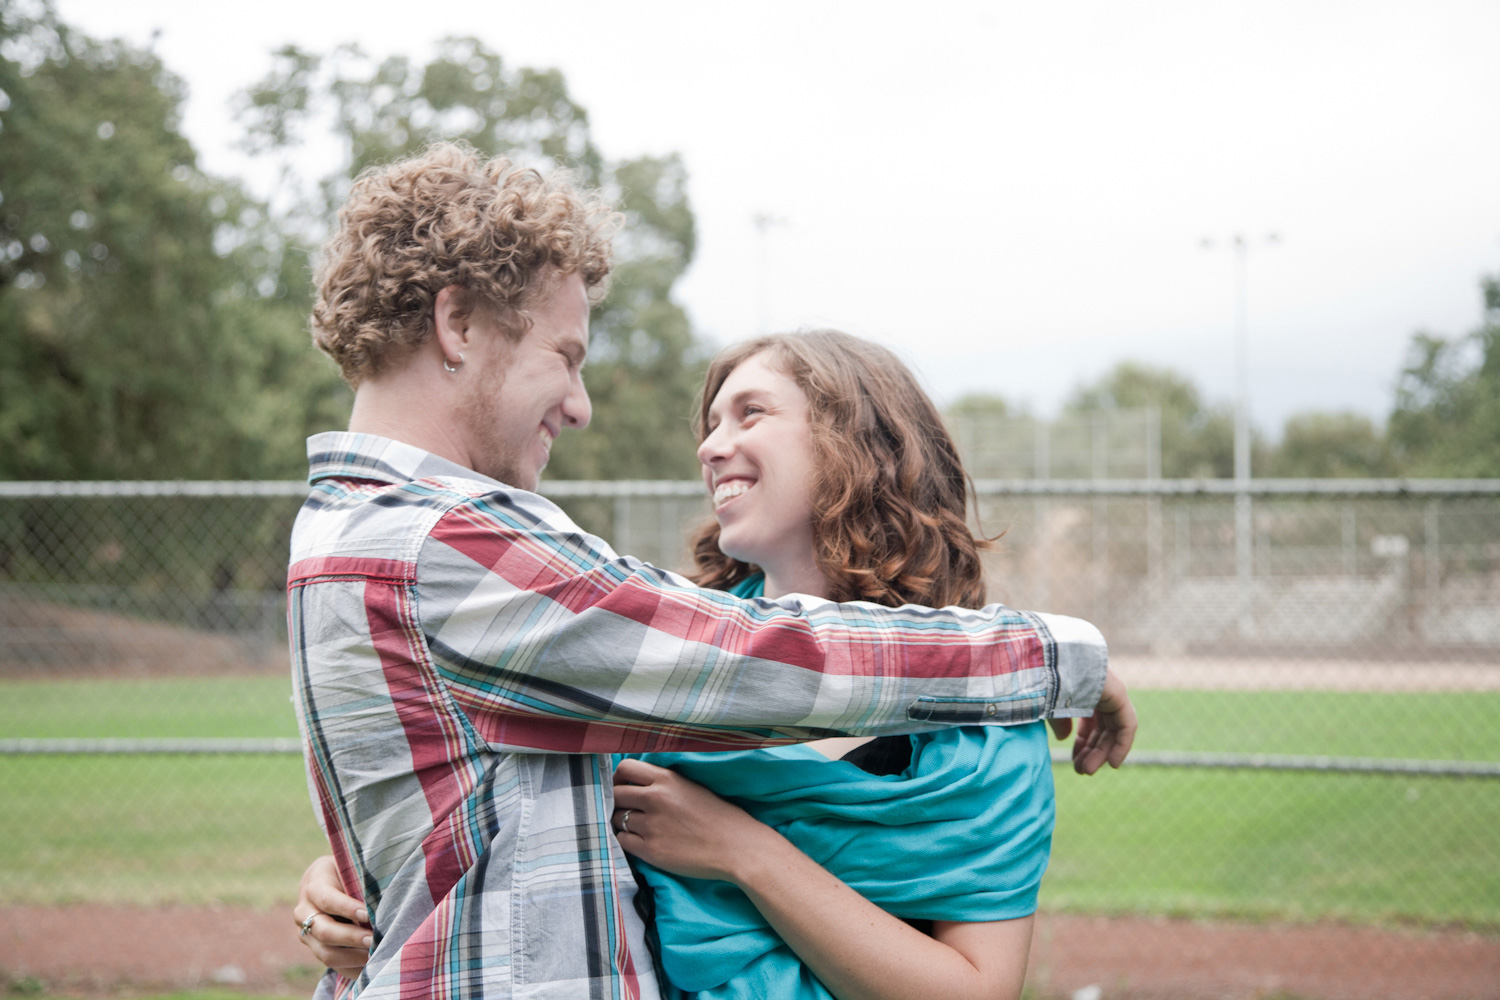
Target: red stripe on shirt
x=436 y=741
x=519 y=559
x=323 y=568
x=558 y=735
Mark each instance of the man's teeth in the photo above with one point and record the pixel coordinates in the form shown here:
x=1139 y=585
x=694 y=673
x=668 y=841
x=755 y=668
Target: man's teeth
x=546 y=439
x=728 y=491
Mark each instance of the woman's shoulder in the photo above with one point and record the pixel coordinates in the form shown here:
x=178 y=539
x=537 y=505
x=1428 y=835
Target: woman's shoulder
x=990 y=754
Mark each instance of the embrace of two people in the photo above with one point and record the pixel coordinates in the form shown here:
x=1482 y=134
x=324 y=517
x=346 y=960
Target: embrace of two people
x=548 y=770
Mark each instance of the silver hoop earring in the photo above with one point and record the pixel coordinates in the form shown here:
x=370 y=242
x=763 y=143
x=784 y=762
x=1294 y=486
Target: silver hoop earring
x=453 y=369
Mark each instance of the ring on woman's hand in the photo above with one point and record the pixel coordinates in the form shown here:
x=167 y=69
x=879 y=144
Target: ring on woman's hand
x=625 y=821
x=306 y=925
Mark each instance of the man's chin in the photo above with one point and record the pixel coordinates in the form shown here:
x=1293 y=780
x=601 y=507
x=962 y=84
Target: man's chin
x=512 y=475
x=536 y=478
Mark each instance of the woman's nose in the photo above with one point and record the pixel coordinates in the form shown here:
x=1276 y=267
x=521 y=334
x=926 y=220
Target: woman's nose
x=714 y=447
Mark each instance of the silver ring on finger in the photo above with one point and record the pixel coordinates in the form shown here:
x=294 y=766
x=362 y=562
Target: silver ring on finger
x=625 y=821
x=306 y=925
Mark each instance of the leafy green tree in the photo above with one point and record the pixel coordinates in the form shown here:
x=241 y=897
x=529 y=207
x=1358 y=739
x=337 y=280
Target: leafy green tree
x=1197 y=441
x=150 y=315
x=645 y=363
x=1330 y=445
x=980 y=404
x=1447 y=416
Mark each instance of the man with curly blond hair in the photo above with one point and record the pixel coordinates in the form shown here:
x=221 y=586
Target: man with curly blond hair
x=466 y=658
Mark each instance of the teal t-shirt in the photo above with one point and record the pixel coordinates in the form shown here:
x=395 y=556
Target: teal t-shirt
x=963 y=833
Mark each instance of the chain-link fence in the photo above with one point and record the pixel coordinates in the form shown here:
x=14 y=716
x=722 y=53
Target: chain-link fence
x=1316 y=664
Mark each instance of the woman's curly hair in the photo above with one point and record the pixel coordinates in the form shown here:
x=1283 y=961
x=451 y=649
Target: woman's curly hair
x=444 y=217
x=890 y=494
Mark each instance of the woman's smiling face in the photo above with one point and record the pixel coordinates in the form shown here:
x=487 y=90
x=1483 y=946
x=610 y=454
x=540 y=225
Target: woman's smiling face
x=758 y=464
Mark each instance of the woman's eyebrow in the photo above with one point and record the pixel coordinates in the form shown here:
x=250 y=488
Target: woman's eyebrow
x=738 y=399
x=732 y=403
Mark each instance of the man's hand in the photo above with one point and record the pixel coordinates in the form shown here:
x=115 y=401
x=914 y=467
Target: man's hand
x=1108 y=734
x=342 y=945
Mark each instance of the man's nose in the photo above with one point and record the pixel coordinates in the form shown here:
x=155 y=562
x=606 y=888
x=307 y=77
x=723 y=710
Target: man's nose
x=577 y=410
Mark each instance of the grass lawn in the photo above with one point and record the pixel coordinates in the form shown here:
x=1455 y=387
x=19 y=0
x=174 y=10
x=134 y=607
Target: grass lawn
x=154 y=829
x=1364 y=848
x=1144 y=840
x=1426 y=725
x=191 y=706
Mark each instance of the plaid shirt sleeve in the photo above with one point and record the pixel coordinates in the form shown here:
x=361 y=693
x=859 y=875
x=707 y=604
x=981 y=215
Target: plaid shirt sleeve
x=548 y=640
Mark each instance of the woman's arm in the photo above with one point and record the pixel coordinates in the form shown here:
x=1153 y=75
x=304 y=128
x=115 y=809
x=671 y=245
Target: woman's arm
x=856 y=949
x=342 y=947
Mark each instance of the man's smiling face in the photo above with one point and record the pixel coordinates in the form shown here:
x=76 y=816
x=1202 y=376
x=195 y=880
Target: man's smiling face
x=523 y=393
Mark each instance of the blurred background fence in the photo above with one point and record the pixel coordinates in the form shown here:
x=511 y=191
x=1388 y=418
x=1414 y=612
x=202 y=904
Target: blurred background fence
x=1316 y=664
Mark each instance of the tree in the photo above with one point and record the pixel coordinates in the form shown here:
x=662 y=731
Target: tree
x=1331 y=445
x=645 y=364
x=149 y=316
x=1446 y=421
x=980 y=404
x=1197 y=441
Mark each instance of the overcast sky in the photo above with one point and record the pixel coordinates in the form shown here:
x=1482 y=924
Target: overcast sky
x=1012 y=196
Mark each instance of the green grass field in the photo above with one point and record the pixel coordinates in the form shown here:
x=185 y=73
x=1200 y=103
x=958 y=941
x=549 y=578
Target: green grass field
x=1145 y=840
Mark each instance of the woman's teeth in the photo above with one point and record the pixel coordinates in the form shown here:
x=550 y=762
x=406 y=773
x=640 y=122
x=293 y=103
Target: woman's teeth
x=728 y=491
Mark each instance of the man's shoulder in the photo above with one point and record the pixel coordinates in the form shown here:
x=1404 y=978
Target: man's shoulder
x=411 y=521
x=362 y=481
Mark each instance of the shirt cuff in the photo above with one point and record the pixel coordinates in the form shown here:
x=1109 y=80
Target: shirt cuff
x=1082 y=658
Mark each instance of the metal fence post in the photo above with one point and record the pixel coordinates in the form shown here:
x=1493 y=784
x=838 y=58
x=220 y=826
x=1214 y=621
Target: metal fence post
x=621 y=539
x=1348 y=538
x=1244 y=556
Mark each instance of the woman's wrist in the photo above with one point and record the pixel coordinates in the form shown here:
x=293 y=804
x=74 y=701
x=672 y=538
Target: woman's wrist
x=759 y=857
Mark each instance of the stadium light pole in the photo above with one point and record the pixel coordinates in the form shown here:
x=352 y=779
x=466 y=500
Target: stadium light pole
x=1244 y=537
x=763 y=221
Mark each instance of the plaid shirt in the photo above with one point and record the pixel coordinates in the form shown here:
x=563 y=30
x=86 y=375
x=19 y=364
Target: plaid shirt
x=464 y=658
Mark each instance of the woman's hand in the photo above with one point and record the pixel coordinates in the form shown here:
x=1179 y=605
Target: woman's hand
x=342 y=947
x=857 y=950
x=680 y=826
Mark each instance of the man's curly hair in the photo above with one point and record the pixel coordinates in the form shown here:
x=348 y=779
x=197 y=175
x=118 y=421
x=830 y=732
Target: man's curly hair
x=890 y=493
x=444 y=217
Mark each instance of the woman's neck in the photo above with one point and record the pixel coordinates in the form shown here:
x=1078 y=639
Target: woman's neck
x=808 y=579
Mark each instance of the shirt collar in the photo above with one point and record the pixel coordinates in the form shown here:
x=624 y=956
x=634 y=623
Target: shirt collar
x=345 y=455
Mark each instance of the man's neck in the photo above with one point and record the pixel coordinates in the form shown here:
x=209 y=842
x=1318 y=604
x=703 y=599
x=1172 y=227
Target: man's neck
x=405 y=410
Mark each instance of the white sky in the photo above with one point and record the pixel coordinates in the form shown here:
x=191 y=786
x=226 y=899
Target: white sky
x=1012 y=196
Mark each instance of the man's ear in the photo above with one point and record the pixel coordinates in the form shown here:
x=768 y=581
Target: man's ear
x=450 y=323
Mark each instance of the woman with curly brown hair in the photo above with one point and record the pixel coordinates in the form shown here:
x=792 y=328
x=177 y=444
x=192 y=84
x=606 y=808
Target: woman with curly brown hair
x=899 y=867
x=896 y=867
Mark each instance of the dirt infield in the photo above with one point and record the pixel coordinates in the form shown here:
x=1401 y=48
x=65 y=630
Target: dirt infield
x=1184 y=673
x=45 y=641
x=89 y=950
